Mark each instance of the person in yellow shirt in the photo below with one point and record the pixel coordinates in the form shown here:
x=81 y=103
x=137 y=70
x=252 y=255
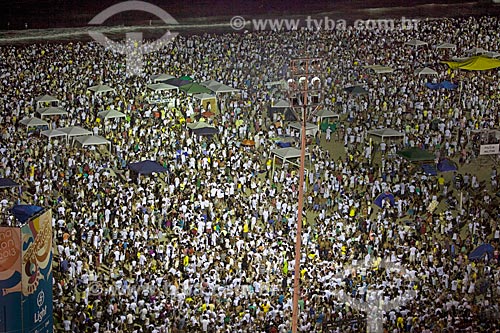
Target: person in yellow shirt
x=400 y=322
x=303 y=273
x=441 y=181
x=352 y=211
x=245 y=230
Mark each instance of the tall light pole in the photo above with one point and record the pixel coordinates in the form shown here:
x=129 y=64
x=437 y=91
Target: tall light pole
x=301 y=68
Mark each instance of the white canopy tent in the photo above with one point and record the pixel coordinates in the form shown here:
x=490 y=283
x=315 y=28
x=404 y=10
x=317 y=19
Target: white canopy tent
x=161 y=77
x=53 y=133
x=311 y=129
x=476 y=50
x=204 y=96
x=46 y=99
x=162 y=87
x=281 y=104
x=379 y=69
x=386 y=133
x=326 y=114
x=492 y=54
x=221 y=88
x=91 y=140
x=446 y=46
x=415 y=42
x=110 y=114
x=210 y=83
x=73 y=131
x=51 y=111
x=101 y=89
x=383 y=70
x=288 y=155
x=198 y=125
x=425 y=71
x=33 y=122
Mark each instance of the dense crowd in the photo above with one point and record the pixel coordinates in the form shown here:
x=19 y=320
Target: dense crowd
x=209 y=246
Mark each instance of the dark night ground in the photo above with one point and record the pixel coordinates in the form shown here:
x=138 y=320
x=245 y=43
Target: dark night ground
x=73 y=13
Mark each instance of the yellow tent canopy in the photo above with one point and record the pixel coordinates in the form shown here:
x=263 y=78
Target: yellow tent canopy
x=476 y=63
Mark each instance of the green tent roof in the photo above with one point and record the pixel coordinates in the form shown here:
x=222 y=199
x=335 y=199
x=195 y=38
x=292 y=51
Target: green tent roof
x=194 y=88
x=415 y=154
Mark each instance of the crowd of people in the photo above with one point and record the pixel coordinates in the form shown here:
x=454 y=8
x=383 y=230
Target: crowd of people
x=208 y=246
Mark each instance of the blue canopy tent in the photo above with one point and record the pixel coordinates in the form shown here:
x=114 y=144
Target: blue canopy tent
x=429 y=169
x=24 y=212
x=446 y=165
x=384 y=196
x=479 y=252
x=147 y=167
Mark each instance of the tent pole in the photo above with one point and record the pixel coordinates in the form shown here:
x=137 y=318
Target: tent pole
x=298 y=239
x=274 y=165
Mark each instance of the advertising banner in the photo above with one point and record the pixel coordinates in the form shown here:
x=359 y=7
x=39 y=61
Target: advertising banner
x=37 y=274
x=10 y=280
